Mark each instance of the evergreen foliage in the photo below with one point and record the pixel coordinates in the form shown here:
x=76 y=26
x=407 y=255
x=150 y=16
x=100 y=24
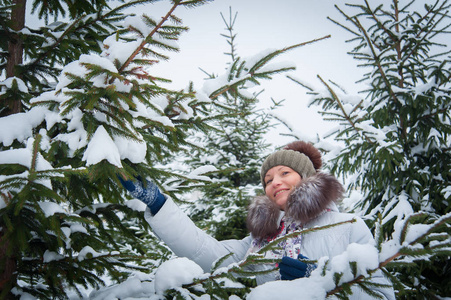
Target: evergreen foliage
x=65 y=224
x=85 y=84
x=235 y=149
x=394 y=141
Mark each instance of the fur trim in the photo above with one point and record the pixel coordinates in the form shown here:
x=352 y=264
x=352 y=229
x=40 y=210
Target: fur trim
x=305 y=203
x=313 y=196
x=263 y=217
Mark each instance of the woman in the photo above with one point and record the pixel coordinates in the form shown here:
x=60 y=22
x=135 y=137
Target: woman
x=297 y=196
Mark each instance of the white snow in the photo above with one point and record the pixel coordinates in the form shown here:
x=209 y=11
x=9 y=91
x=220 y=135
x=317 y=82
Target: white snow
x=8 y=83
x=276 y=66
x=137 y=286
x=51 y=208
x=136 y=205
x=175 y=273
x=51 y=256
x=77 y=227
x=366 y=256
x=447 y=192
x=19 y=126
x=95 y=152
x=24 y=157
x=119 y=50
x=416 y=230
x=135 y=151
x=77 y=68
x=253 y=59
x=402 y=209
x=197 y=173
x=99 y=61
x=89 y=252
x=298 y=289
x=151 y=114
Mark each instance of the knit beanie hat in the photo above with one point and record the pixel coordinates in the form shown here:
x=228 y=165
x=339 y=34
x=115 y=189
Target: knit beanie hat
x=300 y=156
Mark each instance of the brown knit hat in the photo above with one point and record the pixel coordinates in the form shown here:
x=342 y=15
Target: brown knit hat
x=302 y=157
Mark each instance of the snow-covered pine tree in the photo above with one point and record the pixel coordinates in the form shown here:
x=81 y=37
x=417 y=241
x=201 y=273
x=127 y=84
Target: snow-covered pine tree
x=393 y=145
x=235 y=150
x=237 y=146
x=78 y=103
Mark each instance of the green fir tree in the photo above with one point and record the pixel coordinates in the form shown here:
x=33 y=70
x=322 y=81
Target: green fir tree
x=392 y=144
x=80 y=104
x=235 y=150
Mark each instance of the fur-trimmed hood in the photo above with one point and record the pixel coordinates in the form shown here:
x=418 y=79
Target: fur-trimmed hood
x=306 y=202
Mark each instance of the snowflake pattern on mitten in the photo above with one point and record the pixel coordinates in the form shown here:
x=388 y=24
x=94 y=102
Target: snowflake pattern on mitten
x=147 y=194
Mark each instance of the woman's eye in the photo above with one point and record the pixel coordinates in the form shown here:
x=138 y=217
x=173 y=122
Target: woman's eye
x=285 y=172
x=269 y=181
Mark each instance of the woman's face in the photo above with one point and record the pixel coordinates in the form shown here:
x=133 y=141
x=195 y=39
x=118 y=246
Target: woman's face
x=280 y=182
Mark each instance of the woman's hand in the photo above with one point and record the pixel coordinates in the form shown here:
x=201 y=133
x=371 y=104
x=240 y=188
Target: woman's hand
x=148 y=193
x=291 y=268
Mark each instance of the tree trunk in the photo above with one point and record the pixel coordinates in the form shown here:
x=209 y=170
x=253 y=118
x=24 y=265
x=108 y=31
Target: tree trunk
x=15 y=51
x=7 y=269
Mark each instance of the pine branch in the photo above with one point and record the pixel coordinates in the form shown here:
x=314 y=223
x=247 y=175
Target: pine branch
x=272 y=55
x=231 y=37
x=380 y=68
x=57 y=42
x=431 y=29
x=401 y=252
x=145 y=41
x=273 y=244
x=381 y=25
x=300 y=83
x=343 y=111
x=341 y=25
x=79 y=25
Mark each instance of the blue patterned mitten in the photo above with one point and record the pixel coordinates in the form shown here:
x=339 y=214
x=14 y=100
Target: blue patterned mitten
x=149 y=194
x=291 y=268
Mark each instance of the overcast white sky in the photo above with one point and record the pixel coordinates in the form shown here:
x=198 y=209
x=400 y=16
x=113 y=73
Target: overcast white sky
x=261 y=25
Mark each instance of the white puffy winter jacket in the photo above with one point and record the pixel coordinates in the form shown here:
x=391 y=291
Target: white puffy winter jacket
x=185 y=239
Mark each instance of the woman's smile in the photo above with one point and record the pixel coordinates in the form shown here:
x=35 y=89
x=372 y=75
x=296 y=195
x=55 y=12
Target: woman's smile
x=279 y=192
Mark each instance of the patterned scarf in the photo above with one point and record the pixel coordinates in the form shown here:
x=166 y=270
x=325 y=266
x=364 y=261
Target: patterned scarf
x=290 y=247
